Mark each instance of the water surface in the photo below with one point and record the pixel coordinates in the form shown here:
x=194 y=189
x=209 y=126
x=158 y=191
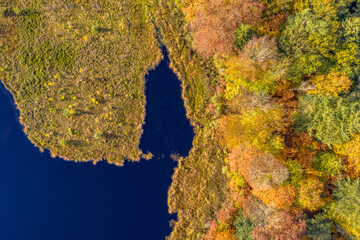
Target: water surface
x=42 y=198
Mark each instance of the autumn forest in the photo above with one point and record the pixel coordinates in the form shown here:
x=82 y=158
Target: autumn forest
x=271 y=88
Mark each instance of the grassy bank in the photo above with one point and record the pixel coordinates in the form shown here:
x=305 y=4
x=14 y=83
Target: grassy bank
x=199 y=187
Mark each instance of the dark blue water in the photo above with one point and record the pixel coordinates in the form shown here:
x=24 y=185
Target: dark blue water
x=42 y=198
x=166 y=130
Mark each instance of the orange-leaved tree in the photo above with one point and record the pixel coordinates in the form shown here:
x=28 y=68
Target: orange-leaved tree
x=272 y=223
x=214 y=23
x=302 y=147
x=226 y=213
x=211 y=233
x=278 y=197
x=228 y=234
x=262 y=171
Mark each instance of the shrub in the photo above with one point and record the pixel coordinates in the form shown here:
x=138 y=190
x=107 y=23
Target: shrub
x=97 y=135
x=63 y=142
x=69 y=112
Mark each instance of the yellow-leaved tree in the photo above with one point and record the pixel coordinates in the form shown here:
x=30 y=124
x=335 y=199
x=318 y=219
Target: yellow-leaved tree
x=331 y=84
x=257 y=68
x=310 y=194
x=261 y=126
x=351 y=149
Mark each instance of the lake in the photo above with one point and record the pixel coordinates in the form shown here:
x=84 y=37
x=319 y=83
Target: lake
x=44 y=198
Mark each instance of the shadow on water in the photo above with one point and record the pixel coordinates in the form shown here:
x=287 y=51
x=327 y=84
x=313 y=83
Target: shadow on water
x=42 y=198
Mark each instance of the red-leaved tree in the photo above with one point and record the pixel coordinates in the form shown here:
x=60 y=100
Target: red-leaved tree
x=262 y=171
x=281 y=226
x=215 y=22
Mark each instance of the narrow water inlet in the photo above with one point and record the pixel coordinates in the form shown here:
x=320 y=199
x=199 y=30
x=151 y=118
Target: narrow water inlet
x=45 y=198
x=167 y=130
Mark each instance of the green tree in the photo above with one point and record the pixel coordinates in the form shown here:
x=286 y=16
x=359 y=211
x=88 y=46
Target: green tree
x=328 y=163
x=295 y=38
x=318 y=228
x=242 y=34
x=345 y=209
x=348 y=8
x=244 y=227
x=310 y=39
x=296 y=171
x=351 y=29
x=97 y=135
x=329 y=119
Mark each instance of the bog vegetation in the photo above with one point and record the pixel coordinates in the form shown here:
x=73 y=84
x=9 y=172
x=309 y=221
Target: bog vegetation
x=271 y=88
x=76 y=69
